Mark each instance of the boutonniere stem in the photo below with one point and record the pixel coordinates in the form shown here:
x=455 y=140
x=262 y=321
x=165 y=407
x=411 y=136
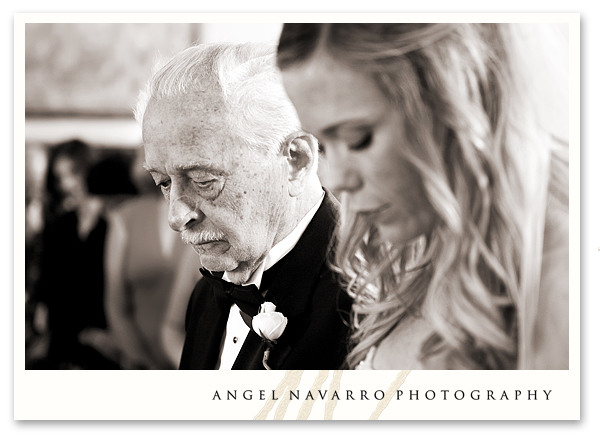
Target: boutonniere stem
x=269 y=325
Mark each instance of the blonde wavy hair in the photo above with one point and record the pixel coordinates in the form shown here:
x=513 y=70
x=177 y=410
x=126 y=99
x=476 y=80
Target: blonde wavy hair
x=484 y=165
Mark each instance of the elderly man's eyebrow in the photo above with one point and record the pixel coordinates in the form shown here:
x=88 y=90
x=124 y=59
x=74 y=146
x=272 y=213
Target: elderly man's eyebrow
x=148 y=168
x=193 y=166
x=197 y=166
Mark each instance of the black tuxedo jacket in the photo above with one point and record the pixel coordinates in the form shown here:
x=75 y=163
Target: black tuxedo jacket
x=304 y=290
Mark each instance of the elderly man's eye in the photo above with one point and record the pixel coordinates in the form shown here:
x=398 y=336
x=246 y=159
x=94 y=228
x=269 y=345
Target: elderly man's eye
x=205 y=184
x=164 y=185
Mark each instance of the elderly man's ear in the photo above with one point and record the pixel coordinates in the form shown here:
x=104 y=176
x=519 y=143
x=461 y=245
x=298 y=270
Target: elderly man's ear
x=301 y=150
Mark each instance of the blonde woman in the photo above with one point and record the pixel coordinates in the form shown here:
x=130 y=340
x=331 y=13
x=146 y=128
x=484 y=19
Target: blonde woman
x=454 y=238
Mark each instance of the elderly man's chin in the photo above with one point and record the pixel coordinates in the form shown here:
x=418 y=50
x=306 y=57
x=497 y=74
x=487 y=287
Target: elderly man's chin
x=237 y=272
x=213 y=257
x=217 y=263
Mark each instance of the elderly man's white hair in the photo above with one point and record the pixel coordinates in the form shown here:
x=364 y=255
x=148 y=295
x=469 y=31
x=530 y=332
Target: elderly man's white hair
x=258 y=109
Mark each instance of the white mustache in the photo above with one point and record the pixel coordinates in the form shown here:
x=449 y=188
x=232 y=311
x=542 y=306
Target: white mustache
x=190 y=237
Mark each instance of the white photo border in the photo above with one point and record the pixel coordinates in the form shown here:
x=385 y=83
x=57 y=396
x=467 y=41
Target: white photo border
x=192 y=395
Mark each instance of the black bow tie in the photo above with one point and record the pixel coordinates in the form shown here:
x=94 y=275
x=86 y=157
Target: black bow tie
x=247 y=297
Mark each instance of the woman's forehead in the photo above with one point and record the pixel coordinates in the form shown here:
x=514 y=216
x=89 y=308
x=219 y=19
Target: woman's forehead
x=327 y=92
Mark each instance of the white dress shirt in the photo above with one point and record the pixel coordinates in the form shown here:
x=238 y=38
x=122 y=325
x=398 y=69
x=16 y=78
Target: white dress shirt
x=236 y=330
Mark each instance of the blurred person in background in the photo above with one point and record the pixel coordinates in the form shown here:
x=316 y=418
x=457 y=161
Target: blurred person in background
x=69 y=295
x=35 y=170
x=142 y=259
x=173 y=326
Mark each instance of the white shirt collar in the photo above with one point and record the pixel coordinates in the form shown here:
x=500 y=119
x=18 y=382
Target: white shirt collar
x=283 y=247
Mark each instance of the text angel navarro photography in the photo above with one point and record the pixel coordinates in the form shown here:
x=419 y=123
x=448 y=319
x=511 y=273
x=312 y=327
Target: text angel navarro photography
x=378 y=395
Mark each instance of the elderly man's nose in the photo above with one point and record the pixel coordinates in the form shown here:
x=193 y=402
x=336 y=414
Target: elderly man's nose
x=182 y=213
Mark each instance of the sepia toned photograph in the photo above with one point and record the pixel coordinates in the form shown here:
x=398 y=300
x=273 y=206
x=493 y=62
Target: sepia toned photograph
x=323 y=220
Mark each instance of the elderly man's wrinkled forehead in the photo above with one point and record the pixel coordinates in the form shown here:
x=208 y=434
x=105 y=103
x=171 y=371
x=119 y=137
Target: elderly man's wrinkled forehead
x=202 y=110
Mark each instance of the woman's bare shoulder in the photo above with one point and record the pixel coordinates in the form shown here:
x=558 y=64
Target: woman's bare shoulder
x=401 y=349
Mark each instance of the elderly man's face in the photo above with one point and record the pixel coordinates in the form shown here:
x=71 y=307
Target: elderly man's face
x=226 y=200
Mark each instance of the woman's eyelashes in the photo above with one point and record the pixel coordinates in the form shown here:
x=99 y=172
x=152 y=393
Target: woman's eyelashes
x=363 y=143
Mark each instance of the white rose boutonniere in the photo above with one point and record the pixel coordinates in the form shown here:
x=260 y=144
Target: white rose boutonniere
x=269 y=325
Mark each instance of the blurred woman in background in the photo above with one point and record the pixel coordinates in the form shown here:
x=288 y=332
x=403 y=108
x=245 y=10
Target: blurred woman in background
x=143 y=256
x=454 y=237
x=70 y=290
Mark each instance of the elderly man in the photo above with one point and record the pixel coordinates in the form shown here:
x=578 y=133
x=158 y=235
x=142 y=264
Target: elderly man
x=224 y=143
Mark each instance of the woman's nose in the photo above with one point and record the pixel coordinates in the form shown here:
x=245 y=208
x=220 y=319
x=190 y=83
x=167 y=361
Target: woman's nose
x=340 y=174
x=183 y=210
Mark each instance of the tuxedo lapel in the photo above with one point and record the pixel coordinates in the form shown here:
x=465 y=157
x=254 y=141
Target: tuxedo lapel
x=208 y=320
x=250 y=356
x=302 y=272
x=293 y=288
x=297 y=278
